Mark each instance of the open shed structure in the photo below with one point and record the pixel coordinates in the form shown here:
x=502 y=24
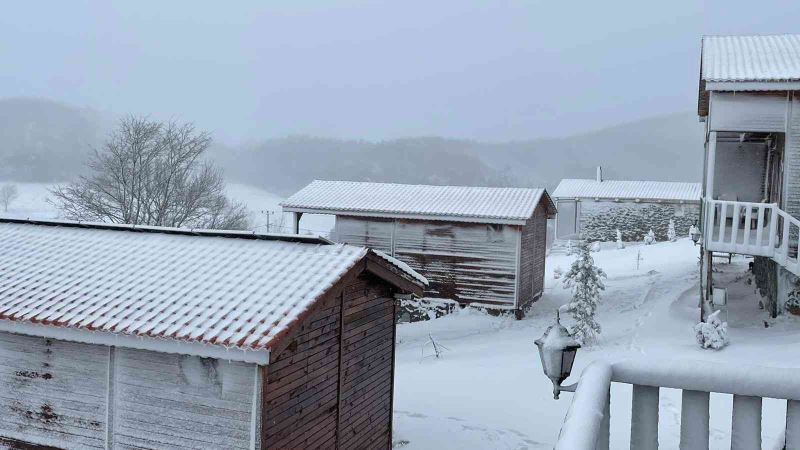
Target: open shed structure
x=475 y=245
x=595 y=208
x=150 y=338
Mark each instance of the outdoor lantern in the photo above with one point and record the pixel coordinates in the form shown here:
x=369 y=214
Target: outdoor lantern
x=557 y=348
x=694 y=232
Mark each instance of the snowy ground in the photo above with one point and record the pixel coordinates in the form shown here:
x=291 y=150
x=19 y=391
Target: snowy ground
x=488 y=391
x=33 y=204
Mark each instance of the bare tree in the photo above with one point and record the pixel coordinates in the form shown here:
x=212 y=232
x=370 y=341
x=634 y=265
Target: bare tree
x=8 y=193
x=152 y=173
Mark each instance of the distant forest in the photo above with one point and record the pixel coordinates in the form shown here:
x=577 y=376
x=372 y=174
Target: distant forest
x=45 y=141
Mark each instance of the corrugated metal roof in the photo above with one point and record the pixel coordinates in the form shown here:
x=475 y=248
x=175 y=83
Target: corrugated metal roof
x=751 y=58
x=629 y=190
x=224 y=291
x=465 y=203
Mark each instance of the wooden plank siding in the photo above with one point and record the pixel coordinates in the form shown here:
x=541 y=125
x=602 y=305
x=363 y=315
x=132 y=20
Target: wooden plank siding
x=533 y=246
x=329 y=383
x=53 y=392
x=175 y=401
x=466 y=262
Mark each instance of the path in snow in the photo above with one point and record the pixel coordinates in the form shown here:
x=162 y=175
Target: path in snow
x=491 y=379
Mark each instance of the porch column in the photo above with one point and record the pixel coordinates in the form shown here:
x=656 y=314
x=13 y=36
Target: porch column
x=712 y=155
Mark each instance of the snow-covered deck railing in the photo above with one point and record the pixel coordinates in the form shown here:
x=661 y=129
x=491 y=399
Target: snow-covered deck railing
x=760 y=229
x=586 y=426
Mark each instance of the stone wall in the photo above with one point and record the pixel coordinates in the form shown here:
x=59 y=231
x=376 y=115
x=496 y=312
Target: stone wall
x=599 y=220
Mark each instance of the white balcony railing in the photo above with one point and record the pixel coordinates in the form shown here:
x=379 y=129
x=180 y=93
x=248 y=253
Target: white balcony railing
x=760 y=229
x=586 y=426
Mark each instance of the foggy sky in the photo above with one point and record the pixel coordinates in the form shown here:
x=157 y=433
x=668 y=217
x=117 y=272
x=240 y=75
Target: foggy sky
x=487 y=70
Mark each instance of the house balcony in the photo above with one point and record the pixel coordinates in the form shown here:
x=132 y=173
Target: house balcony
x=587 y=423
x=757 y=229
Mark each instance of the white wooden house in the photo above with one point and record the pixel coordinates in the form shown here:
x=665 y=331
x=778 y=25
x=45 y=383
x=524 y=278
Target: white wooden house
x=596 y=208
x=750 y=104
x=475 y=245
x=153 y=338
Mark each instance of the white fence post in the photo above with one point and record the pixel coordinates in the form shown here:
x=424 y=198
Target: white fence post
x=792 y=424
x=694 y=420
x=746 y=423
x=644 y=418
x=604 y=439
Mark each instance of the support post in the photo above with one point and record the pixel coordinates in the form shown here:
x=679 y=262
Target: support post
x=746 y=423
x=694 y=420
x=644 y=418
x=712 y=157
x=792 y=424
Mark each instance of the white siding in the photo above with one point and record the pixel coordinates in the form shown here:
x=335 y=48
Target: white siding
x=53 y=392
x=366 y=232
x=792 y=161
x=747 y=112
x=176 y=401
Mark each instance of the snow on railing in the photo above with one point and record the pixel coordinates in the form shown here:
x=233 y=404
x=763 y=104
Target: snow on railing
x=760 y=229
x=586 y=426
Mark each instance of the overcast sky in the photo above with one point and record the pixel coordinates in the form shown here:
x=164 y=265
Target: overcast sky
x=487 y=70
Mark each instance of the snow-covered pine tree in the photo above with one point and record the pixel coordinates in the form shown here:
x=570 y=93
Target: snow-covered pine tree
x=671 y=231
x=650 y=237
x=620 y=244
x=584 y=278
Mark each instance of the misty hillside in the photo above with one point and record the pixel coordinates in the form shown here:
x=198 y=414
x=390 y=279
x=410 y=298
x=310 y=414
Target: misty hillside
x=45 y=141
x=42 y=140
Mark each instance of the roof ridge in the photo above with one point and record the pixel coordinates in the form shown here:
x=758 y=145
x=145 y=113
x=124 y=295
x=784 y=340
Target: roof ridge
x=233 y=234
x=427 y=185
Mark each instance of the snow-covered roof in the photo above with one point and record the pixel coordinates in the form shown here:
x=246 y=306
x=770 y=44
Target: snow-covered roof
x=450 y=203
x=628 y=190
x=757 y=58
x=233 y=290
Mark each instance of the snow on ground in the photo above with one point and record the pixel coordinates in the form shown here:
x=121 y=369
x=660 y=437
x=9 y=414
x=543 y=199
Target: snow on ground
x=32 y=204
x=488 y=390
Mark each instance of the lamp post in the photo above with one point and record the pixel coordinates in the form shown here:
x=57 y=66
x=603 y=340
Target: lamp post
x=557 y=349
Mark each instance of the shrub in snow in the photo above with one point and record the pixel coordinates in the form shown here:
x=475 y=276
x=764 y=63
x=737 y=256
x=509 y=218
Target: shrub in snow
x=713 y=333
x=595 y=247
x=793 y=303
x=569 y=249
x=693 y=230
x=620 y=244
x=418 y=309
x=558 y=272
x=584 y=278
x=671 y=231
x=650 y=237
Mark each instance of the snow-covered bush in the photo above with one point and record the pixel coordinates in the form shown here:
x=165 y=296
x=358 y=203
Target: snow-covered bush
x=595 y=247
x=650 y=238
x=713 y=333
x=419 y=309
x=558 y=272
x=793 y=303
x=569 y=249
x=620 y=244
x=584 y=278
x=671 y=236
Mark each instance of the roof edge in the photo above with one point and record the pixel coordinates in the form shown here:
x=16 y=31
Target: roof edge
x=235 y=234
x=161 y=345
x=370 y=213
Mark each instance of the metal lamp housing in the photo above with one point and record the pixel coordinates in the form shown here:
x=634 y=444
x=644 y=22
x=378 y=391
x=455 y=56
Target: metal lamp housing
x=557 y=350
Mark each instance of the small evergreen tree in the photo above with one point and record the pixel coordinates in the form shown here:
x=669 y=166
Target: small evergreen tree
x=620 y=244
x=584 y=278
x=671 y=236
x=650 y=237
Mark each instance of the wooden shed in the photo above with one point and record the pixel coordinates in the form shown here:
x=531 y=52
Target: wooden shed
x=150 y=338
x=475 y=245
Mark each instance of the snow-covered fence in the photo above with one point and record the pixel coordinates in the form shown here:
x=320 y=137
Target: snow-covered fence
x=586 y=426
x=760 y=229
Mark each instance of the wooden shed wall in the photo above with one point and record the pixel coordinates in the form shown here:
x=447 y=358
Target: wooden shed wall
x=57 y=393
x=53 y=392
x=530 y=283
x=467 y=262
x=329 y=382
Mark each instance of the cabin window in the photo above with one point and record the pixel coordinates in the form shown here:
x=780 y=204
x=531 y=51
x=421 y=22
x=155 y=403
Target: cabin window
x=494 y=233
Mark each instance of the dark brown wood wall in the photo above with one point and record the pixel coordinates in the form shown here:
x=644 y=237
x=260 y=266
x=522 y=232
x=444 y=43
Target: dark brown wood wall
x=533 y=245
x=330 y=383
